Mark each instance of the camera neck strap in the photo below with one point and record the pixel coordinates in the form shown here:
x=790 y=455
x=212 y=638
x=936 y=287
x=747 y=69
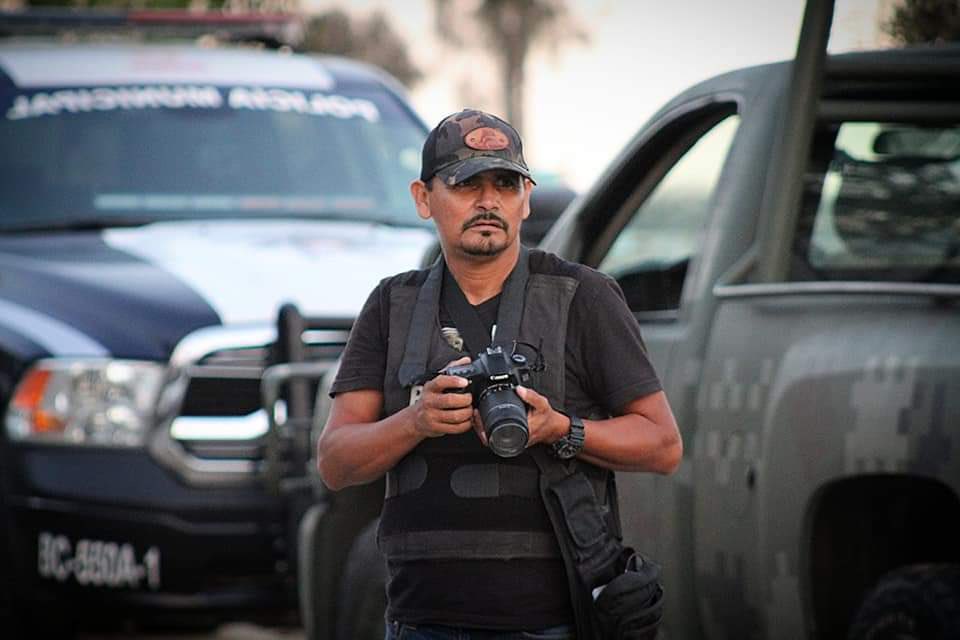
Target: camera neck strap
x=509 y=311
x=417 y=348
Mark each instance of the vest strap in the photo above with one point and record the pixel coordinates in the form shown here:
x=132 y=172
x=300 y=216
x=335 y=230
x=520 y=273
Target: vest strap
x=469 y=545
x=592 y=551
x=416 y=353
x=408 y=475
x=494 y=480
x=467 y=481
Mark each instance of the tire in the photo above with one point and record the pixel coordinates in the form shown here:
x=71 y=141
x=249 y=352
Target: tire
x=6 y=602
x=310 y=573
x=919 y=602
x=31 y=621
x=363 y=593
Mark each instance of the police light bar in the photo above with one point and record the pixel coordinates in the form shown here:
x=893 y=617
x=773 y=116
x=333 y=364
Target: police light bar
x=272 y=29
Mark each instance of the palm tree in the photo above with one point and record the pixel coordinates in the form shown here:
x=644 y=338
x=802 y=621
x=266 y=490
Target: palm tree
x=511 y=28
x=925 y=22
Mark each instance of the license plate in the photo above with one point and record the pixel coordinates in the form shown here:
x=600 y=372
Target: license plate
x=96 y=563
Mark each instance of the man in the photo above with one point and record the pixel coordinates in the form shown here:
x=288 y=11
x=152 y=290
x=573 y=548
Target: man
x=469 y=545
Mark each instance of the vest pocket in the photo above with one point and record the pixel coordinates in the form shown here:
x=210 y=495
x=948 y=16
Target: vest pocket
x=583 y=517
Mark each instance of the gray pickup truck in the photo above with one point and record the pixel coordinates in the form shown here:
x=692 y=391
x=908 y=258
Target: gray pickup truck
x=788 y=236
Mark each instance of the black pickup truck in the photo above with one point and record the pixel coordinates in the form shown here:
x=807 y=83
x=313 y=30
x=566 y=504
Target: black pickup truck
x=788 y=236
x=158 y=203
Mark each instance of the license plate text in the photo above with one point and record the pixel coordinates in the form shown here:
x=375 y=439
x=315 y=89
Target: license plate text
x=96 y=563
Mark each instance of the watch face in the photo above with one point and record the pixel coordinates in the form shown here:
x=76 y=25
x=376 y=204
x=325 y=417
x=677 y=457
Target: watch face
x=564 y=450
x=571 y=444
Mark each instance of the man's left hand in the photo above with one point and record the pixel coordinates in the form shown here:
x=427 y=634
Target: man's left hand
x=546 y=424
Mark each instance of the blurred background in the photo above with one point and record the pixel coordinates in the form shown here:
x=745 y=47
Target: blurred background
x=577 y=77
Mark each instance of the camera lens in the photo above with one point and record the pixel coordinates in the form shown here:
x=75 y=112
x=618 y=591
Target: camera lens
x=508 y=439
x=505 y=420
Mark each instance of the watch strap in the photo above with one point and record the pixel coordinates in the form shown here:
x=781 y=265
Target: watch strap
x=571 y=444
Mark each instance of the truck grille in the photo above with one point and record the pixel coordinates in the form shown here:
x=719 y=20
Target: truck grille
x=226 y=383
x=217 y=421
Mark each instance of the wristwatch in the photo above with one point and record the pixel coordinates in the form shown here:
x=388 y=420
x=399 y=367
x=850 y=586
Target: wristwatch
x=571 y=444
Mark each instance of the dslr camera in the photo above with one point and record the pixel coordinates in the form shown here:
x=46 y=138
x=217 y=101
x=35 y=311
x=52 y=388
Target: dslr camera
x=493 y=379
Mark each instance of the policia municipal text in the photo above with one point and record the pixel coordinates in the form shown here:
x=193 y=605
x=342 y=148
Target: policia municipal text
x=469 y=543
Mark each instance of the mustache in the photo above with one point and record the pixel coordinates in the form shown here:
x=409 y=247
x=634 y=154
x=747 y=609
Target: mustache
x=486 y=216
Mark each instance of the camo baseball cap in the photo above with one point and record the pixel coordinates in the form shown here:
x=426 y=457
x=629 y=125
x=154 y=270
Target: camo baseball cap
x=468 y=142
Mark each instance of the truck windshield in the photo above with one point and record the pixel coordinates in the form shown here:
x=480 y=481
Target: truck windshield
x=78 y=157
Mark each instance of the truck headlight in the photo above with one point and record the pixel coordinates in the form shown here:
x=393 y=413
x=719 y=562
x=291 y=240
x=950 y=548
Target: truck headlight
x=94 y=402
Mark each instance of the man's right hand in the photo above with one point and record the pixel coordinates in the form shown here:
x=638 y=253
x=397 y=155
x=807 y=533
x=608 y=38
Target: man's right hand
x=440 y=410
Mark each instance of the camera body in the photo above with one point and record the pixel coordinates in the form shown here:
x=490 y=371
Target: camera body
x=493 y=379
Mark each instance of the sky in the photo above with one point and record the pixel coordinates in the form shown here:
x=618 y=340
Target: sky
x=584 y=101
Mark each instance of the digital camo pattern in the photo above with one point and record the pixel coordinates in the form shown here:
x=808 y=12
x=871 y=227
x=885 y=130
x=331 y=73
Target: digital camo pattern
x=789 y=403
x=726 y=455
x=910 y=419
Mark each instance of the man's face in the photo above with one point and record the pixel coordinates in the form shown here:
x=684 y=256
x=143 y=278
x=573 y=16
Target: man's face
x=478 y=217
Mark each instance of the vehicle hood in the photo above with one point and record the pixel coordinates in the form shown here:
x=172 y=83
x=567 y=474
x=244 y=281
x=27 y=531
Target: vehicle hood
x=134 y=292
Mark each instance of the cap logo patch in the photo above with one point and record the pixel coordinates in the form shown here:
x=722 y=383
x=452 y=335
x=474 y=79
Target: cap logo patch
x=486 y=139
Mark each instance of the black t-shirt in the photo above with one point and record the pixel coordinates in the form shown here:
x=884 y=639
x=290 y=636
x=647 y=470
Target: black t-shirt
x=606 y=361
x=606 y=366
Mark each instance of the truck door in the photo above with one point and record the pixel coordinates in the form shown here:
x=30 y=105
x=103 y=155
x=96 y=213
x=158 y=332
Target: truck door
x=651 y=238
x=653 y=254
x=646 y=225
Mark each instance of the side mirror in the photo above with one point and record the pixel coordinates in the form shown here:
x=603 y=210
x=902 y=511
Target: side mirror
x=547 y=202
x=925 y=143
x=430 y=255
x=886 y=142
x=651 y=287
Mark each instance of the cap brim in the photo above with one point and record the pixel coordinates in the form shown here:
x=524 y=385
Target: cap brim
x=466 y=169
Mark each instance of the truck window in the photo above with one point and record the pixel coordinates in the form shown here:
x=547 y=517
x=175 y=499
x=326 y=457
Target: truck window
x=649 y=257
x=881 y=203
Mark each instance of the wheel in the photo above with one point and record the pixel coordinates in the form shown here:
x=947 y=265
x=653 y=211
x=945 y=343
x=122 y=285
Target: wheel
x=311 y=590
x=363 y=593
x=332 y=534
x=6 y=601
x=918 y=602
x=32 y=621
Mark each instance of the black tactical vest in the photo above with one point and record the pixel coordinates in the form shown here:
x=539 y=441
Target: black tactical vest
x=451 y=498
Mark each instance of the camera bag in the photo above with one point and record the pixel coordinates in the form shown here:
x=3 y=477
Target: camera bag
x=616 y=593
